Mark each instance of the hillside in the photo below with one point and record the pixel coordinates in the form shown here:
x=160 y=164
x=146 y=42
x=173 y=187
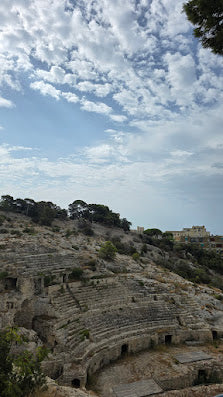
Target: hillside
x=91 y=310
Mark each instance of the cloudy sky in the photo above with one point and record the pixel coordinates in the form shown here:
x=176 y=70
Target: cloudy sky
x=113 y=102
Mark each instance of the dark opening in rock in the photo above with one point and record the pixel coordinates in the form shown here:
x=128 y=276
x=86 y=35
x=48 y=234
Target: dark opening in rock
x=76 y=382
x=202 y=376
x=214 y=334
x=10 y=283
x=124 y=349
x=168 y=339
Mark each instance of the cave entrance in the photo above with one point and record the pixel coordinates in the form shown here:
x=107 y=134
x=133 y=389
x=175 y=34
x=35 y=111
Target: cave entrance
x=124 y=349
x=202 y=376
x=76 y=383
x=168 y=339
x=10 y=283
x=214 y=335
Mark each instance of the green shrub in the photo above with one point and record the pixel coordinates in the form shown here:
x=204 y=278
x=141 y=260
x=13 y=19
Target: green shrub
x=29 y=230
x=49 y=280
x=136 y=256
x=144 y=248
x=92 y=264
x=108 y=251
x=123 y=248
x=68 y=233
x=84 y=334
x=16 y=233
x=20 y=374
x=218 y=296
x=88 y=231
x=76 y=274
x=3 y=275
x=2 y=219
x=4 y=231
x=55 y=229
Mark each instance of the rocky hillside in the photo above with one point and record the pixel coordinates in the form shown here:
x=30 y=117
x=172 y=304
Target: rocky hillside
x=90 y=307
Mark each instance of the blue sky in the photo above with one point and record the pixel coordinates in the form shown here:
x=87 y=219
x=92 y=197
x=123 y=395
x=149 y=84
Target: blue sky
x=111 y=102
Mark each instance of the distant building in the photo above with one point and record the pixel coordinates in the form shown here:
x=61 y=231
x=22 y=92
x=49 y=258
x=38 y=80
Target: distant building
x=190 y=233
x=216 y=243
x=140 y=229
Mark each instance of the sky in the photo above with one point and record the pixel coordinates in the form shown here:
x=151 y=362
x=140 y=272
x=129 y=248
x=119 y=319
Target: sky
x=111 y=102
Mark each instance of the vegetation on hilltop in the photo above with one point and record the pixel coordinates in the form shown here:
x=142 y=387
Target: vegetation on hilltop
x=190 y=261
x=44 y=212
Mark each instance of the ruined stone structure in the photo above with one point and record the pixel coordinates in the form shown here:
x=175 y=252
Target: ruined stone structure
x=88 y=324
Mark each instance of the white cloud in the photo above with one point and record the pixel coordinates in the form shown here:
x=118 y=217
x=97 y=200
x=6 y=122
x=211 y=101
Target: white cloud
x=46 y=89
x=118 y=117
x=101 y=90
x=6 y=103
x=70 y=97
x=97 y=107
x=181 y=153
x=141 y=52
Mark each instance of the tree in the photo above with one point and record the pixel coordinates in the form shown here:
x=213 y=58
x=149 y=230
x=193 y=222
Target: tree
x=7 y=203
x=108 y=251
x=78 y=209
x=20 y=374
x=125 y=225
x=153 y=232
x=207 y=16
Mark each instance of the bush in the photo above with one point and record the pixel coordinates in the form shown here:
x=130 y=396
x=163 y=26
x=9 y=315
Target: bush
x=3 y=275
x=123 y=248
x=48 y=280
x=20 y=375
x=92 y=264
x=4 y=231
x=55 y=229
x=29 y=230
x=108 y=251
x=136 y=256
x=88 y=231
x=84 y=333
x=16 y=233
x=144 y=249
x=76 y=274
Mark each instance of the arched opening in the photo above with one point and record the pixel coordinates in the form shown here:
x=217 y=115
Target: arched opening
x=10 y=283
x=214 y=335
x=76 y=382
x=168 y=339
x=124 y=349
x=201 y=377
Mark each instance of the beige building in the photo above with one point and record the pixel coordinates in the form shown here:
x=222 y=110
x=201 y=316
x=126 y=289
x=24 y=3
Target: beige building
x=191 y=232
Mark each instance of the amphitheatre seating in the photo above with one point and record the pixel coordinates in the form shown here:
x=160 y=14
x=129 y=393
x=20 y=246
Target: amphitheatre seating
x=93 y=315
x=32 y=265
